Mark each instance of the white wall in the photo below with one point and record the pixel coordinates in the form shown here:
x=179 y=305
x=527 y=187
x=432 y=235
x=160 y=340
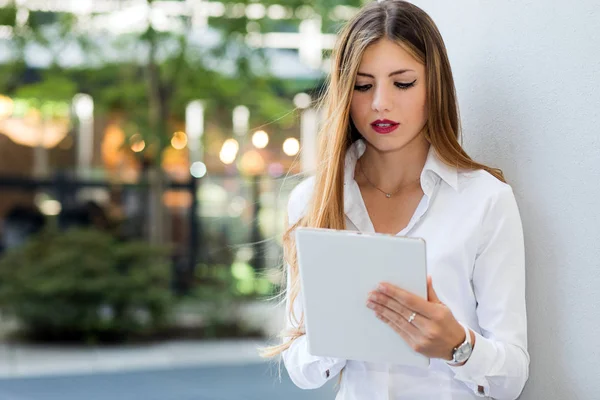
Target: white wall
x=528 y=79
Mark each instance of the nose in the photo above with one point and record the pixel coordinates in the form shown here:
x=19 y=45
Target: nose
x=382 y=99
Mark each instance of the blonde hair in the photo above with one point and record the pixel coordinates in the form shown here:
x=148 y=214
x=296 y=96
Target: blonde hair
x=412 y=29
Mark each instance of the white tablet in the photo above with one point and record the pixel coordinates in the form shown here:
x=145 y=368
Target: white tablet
x=338 y=269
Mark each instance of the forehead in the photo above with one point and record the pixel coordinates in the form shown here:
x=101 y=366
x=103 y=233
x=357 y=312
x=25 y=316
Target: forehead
x=386 y=55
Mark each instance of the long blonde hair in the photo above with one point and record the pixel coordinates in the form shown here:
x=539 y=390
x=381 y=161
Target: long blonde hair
x=410 y=27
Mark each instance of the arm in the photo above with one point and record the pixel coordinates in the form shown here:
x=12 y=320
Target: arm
x=305 y=370
x=499 y=363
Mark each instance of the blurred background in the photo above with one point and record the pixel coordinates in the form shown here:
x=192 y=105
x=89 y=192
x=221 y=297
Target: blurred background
x=147 y=151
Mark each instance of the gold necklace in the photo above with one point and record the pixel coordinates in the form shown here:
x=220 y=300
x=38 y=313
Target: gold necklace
x=390 y=194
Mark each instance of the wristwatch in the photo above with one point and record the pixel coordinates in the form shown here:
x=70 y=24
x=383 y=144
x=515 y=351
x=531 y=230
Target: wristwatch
x=462 y=353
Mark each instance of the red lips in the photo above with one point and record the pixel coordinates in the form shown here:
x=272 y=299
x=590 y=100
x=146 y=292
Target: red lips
x=384 y=126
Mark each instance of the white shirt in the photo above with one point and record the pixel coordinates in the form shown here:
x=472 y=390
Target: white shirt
x=475 y=255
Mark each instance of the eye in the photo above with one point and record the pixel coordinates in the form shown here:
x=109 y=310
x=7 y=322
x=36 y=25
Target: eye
x=362 y=88
x=405 y=86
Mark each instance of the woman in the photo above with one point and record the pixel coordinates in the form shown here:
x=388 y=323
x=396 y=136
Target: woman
x=391 y=162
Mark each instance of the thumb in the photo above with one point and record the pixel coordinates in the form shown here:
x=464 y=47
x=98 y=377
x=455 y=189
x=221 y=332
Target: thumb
x=431 y=295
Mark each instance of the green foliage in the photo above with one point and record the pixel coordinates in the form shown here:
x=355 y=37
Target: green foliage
x=154 y=91
x=58 y=88
x=8 y=15
x=224 y=283
x=221 y=288
x=84 y=285
x=214 y=288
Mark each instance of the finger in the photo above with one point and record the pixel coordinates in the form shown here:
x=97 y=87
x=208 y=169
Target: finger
x=397 y=319
x=407 y=338
x=391 y=303
x=409 y=300
x=431 y=294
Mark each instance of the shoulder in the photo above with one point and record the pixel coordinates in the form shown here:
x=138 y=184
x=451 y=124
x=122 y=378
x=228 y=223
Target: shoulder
x=494 y=200
x=299 y=199
x=483 y=187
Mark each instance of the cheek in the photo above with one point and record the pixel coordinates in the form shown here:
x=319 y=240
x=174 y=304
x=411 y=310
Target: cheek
x=354 y=111
x=423 y=103
x=358 y=109
x=416 y=107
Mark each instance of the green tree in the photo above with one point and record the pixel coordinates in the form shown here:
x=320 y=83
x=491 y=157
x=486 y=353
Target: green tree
x=150 y=75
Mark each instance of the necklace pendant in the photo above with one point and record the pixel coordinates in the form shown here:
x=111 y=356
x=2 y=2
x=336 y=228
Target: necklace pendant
x=388 y=195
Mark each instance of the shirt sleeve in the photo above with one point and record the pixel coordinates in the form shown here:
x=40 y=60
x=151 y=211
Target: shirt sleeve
x=500 y=362
x=305 y=370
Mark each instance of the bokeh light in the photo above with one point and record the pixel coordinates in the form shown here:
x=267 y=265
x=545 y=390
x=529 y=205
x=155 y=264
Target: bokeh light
x=137 y=143
x=179 y=140
x=260 y=139
x=198 y=169
x=291 y=146
x=229 y=151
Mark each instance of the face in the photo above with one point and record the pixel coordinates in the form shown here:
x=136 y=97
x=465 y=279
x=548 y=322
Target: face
x=389 y=101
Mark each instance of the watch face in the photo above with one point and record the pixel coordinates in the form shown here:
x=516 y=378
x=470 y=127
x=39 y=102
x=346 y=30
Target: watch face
x=463 y=352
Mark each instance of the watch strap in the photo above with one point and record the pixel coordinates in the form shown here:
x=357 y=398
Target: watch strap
x=467 y=341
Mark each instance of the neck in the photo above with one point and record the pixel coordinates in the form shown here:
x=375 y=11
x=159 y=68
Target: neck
x=392 y=169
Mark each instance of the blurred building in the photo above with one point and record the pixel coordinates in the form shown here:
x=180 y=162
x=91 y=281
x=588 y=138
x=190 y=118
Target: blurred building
x=243 y=175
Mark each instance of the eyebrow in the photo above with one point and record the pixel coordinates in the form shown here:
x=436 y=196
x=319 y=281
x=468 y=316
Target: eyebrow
x=399 y=72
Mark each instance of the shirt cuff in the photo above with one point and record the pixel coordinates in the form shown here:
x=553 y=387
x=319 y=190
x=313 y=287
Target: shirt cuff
x=330 y=367
x=473 y=372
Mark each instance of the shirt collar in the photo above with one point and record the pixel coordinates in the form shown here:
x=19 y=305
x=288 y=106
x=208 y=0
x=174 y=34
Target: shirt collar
x=433 y=164
x=447 y=173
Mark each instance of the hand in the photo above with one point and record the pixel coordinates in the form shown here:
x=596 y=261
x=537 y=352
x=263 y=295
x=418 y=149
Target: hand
x=434 y=332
